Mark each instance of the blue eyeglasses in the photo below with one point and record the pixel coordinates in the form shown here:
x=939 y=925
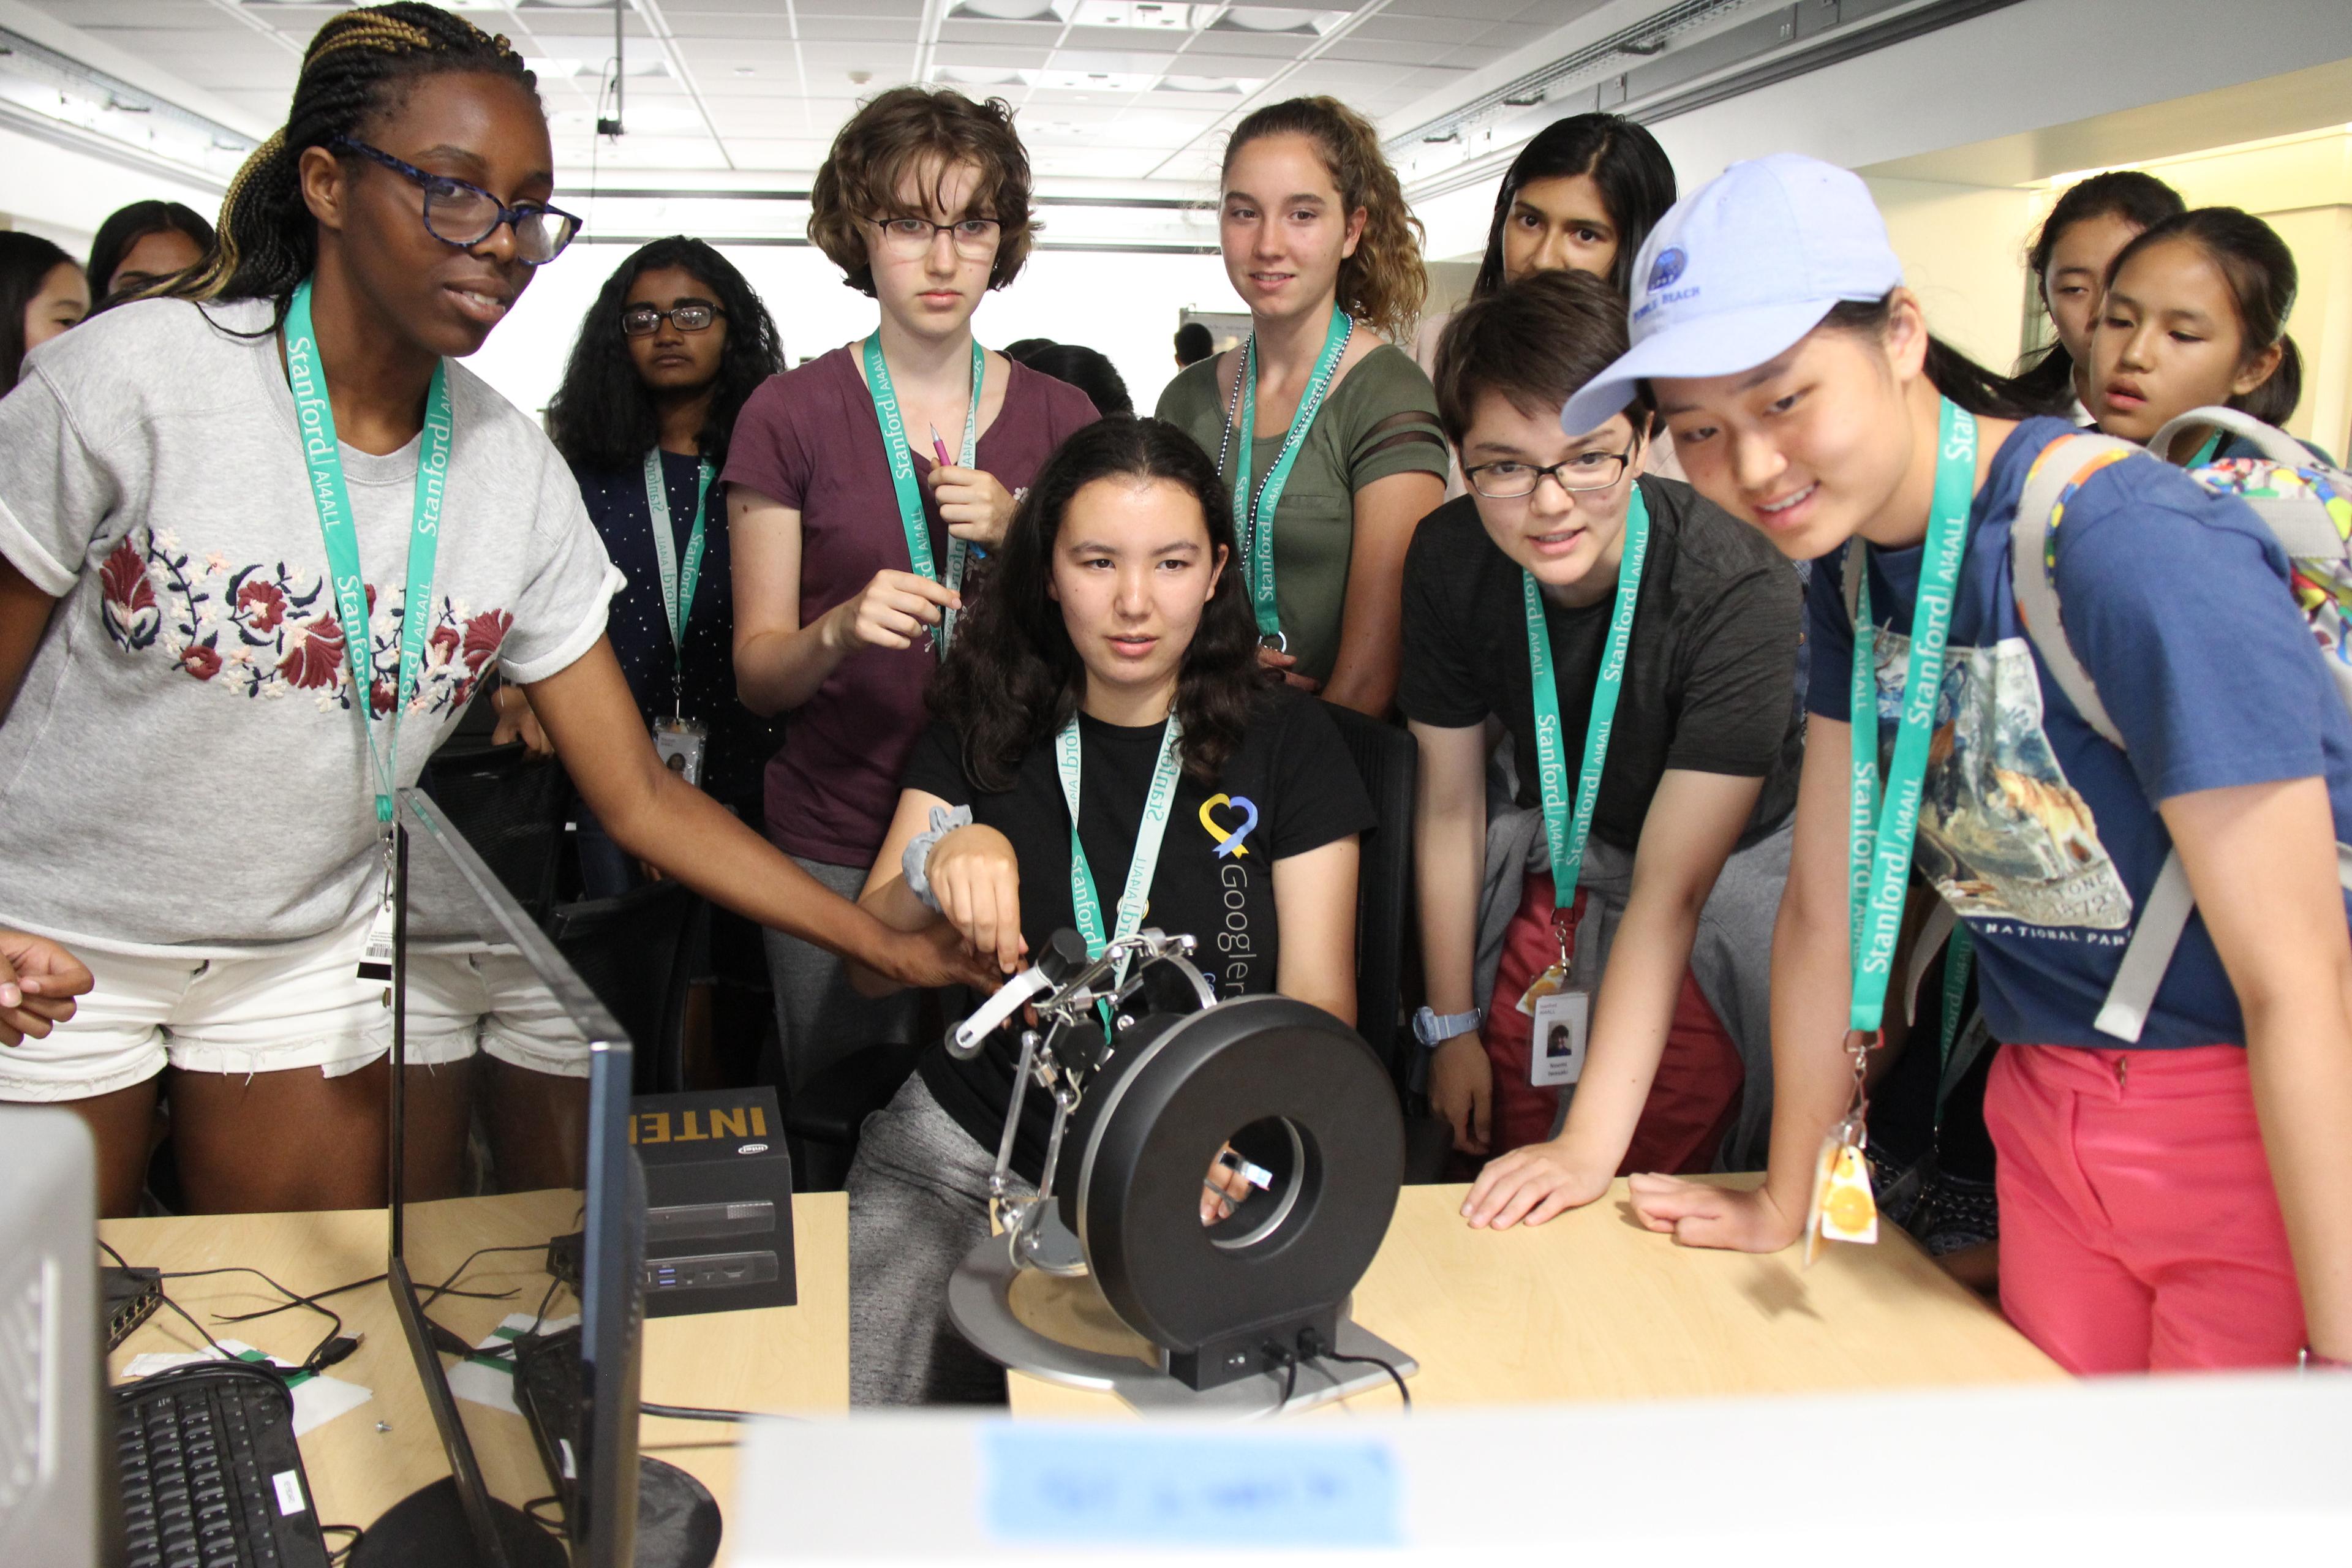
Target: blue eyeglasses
x=462 y=214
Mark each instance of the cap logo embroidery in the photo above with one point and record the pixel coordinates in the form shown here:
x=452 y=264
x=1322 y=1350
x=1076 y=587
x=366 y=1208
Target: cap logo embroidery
x=1666 y=268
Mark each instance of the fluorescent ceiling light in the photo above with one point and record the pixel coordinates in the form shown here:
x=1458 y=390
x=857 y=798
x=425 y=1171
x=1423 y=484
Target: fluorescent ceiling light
x=90 y=106
x=1209 y=84
x=982 y=75
x=545 y=68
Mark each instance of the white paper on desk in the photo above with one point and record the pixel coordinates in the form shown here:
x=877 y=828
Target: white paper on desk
x=490 y=1379
x=317 y=1399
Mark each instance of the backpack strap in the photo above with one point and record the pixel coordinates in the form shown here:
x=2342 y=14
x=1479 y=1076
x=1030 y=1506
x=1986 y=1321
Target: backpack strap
x=2064 y=464
x=2273 y=442
x=2163 y=917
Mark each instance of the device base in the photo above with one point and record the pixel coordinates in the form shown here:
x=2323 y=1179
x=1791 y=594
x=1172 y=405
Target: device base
x=429 y=1526
x=677 y=1527
x=980 y=1305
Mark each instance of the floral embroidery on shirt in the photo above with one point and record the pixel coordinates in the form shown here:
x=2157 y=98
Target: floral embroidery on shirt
x=263 y=631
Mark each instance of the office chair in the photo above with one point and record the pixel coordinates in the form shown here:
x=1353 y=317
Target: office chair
x=1388 y=760
x=509 y=806
x=635 y=952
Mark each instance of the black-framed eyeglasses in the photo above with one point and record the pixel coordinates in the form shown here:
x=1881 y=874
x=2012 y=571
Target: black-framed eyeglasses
x=462 y=214
x=911 y=237
x=645 y=321
x=1509 y=480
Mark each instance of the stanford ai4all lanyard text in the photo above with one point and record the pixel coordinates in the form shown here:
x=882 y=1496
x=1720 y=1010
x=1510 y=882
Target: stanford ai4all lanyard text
x=902 y=471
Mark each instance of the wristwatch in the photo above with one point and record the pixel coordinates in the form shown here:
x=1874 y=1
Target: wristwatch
x=1433 y=1029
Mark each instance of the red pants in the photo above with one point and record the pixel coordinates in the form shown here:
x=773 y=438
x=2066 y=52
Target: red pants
x=2139 y=1230
x=1692 y=1100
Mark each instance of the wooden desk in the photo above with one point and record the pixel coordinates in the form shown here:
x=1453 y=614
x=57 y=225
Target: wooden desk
x=794 y=1359
x=1592 y=1307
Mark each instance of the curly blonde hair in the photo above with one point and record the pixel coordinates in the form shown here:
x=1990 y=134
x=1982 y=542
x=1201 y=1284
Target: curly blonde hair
x=1383 y=284
x=899 y=131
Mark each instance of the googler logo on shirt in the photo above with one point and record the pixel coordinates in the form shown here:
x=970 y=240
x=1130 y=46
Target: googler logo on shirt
x=1229 y=840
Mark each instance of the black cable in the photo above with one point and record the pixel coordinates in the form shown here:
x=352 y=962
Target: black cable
x=556 y=1526
x=342 y=1553
x=120 y=1262
x=448 y=1287
x=317 y=1359
x=1311 y=1344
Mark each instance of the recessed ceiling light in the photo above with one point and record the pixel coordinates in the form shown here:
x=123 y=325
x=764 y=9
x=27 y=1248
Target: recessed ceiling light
x=1254 y=19
x=544 y=66
x=1155 y=16
x=1096 y=81
x=1209 y=84
x=982 y=75
x=746 y=70
x=1013 y=10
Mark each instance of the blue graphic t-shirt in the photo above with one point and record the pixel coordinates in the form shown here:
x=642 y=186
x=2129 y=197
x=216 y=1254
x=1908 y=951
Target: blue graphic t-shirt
x=2043 y=836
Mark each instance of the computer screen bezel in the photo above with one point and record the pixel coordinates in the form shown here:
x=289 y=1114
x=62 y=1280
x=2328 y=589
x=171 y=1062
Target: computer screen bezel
x=613 y=1244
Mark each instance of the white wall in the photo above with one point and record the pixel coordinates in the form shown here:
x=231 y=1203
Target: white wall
x=63 y=194
x=1123 y=305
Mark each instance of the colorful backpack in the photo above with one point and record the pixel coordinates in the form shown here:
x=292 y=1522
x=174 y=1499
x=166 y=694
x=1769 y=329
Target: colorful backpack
x=2305 y=501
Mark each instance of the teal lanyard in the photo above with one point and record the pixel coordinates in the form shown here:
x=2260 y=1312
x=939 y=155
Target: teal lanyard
x=1564 y=830
x=2206 y=453
x=1959 y=950
x=902 y=471
x=678 y=593
x=1254 y=519
x=1136 y=897
x=316 y=417
x=1879 y=841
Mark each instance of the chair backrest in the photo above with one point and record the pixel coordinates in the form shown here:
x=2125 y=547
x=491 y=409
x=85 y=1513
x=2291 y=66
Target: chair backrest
x=1390 y=764
x=509 y=806
x=635 y=952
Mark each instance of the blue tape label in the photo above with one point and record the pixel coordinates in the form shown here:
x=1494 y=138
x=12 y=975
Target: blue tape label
x=1093 y=1484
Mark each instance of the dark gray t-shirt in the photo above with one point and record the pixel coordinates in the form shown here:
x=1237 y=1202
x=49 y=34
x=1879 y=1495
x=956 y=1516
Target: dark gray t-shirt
x=1708 y=678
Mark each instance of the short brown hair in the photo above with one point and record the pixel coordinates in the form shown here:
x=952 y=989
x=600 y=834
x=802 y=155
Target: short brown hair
x=1537 y=341
x=895 y=133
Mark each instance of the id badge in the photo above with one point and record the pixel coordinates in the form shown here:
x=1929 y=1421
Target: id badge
x=376 y=957
x=1842 y=1209
x=680 y=744
x=1556 y=1055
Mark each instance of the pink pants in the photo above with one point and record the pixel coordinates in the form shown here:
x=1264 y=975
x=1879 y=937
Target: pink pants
x=2139 y=1230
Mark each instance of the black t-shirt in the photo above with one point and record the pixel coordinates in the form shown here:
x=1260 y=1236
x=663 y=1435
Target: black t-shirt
x=1708 y=678
x=1290 y=787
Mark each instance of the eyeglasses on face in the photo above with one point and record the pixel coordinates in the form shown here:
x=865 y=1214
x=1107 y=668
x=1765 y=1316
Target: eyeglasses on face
x=908 y=237
x=644 y=321
x=462 y=214
x=1509 y=480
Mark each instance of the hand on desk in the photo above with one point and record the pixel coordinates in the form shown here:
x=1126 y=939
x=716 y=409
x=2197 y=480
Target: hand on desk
x=38 y=982
x=1698 y=1213
x=1532 y=1185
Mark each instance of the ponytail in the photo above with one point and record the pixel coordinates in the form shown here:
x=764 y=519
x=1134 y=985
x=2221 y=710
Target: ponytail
x=1383 y=284
x=266 y=240
x=1954 y=375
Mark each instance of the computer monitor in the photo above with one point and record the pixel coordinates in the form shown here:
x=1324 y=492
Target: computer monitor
x=517 y=1203
x=53 y=1411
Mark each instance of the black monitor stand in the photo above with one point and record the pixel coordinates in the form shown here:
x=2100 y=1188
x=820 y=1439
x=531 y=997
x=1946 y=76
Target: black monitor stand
x=677 y=1527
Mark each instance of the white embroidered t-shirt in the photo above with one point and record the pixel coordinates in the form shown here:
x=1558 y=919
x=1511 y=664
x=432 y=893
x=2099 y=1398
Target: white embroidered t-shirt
x=184 y=771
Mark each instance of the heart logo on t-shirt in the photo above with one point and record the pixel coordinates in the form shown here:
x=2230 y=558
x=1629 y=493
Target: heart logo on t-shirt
x=1230 y=842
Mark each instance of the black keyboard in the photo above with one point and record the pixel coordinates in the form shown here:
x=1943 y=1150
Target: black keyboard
x=211 y=1477
x=548 y=1391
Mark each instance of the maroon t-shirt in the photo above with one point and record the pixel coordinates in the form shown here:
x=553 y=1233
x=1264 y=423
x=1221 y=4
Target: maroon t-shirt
x=809 y=439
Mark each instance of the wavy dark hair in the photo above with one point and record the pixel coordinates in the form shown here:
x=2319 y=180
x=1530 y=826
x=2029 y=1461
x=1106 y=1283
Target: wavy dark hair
x=2260 y=273
x=125 y=228
x=1621 y=157
x=1013 y=679
x=2138 y=198
x=356 y=67
x=602 y=416
x=26 y=262
x=1382 y=285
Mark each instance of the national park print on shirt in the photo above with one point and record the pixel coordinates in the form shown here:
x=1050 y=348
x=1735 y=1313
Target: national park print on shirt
x=2003 y=833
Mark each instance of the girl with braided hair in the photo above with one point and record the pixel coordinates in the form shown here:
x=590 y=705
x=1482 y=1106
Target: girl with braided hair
x=267 y=528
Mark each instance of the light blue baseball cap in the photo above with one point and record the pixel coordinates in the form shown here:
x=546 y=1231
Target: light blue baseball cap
x=1739 y=271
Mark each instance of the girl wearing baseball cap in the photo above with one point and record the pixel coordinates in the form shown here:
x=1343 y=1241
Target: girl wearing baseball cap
x=2179 y=1199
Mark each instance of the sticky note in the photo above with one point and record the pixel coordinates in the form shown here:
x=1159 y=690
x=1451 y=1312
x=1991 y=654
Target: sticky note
x=1214 y=1488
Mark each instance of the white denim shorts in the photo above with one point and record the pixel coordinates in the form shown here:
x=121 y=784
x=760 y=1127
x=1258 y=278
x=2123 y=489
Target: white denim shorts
x=297 y=1005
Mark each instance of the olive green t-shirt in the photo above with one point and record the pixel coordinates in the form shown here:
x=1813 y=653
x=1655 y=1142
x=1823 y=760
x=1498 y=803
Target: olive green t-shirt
x=1381 y=419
